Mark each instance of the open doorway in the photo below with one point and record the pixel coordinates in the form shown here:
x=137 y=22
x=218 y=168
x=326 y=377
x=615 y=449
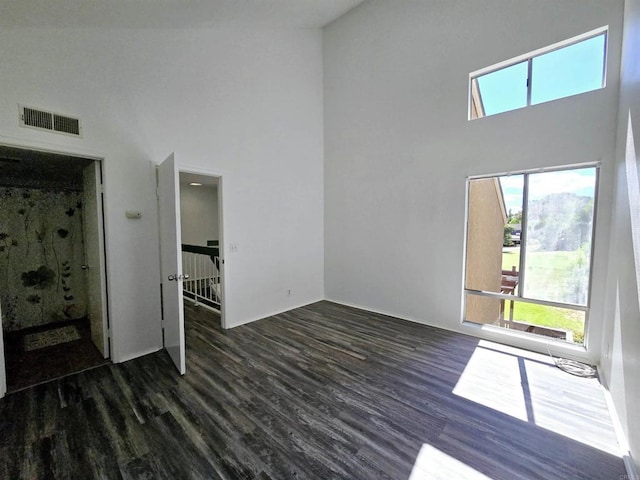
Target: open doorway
x=174 y=279
x=200 y=233
x=52 y=266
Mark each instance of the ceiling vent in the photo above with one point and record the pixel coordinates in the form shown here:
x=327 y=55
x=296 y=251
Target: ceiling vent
x=53 y=122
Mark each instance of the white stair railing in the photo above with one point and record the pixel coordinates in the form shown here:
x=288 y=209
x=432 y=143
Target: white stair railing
x=203 y=284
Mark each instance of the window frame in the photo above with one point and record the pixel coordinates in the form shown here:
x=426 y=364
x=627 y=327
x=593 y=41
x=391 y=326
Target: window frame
x=529 y=57
x=519 y=296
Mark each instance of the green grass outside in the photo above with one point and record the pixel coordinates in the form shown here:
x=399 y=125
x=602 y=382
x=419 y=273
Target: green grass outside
x=540 y=314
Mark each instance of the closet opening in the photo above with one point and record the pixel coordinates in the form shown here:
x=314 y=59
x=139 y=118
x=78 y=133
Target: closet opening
x=52 y=266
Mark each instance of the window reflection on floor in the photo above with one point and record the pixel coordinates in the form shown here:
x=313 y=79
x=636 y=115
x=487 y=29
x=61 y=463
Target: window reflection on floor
x=529 y=387
x=434 y=464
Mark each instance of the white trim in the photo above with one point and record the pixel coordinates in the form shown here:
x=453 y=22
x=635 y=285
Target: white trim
x=577 y=352
x=491 y=333
x=529 y=58
x=528 y=341
x=555 y=168
x=47 y=147
x=540 y=51
x=629 y=465
x=71 y=151
x=220 y=175
x=515 y=298
x=278 y=312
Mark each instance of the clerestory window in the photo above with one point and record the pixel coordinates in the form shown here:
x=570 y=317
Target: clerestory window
x=577 y=65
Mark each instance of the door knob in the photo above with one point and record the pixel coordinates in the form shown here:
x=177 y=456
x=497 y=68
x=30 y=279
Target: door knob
x=84 y=267
x=171 y=278
x=184 y=277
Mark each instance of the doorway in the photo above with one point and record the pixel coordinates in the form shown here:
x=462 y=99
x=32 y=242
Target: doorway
x=172 y=274
x=200 y=235
x=52 y=266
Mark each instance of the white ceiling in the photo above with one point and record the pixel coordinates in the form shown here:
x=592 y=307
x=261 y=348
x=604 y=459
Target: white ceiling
x=207 y=181
x=171 y=13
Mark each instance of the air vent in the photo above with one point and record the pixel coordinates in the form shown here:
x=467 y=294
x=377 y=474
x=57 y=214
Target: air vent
x=53 y=122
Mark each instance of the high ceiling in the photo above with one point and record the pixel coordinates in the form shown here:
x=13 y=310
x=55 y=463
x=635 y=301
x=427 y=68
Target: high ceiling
x=171 y=13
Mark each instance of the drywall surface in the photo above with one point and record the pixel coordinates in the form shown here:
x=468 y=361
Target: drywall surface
x=244 y=103
x=621 y=339
x=398 y=145
x=198 y=214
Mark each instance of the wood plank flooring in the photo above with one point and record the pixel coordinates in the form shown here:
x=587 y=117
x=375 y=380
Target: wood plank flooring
x=320 y=392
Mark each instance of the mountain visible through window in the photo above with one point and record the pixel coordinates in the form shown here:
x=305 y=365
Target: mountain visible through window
x=529 y=248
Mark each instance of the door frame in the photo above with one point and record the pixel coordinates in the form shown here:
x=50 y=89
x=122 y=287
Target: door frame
x=69 y=151
x=220 y=176
x=96 y=171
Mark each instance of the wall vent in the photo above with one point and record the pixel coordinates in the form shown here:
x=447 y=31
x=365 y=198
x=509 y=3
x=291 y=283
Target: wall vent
x=42 y=120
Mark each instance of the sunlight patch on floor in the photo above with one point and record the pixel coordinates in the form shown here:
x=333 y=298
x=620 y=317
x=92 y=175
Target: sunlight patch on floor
x=434 y=464
x=529 y=387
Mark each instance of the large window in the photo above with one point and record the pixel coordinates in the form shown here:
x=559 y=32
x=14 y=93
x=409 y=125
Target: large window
x=529 y=248
x=562 y=70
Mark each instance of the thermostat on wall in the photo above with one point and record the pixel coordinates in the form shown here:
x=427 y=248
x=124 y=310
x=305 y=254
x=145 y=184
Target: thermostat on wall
x=134 y=214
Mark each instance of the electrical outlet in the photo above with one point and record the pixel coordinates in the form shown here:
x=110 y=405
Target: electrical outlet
x=233 y=247
x=289 y=292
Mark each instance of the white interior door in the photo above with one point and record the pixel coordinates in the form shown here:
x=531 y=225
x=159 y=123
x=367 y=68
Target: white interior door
x=171 y=262
x=94 y=266
x=3 y=373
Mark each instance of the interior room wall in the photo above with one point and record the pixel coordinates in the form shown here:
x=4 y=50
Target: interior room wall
x=398 y=145
x=241 y=101
x=198 y=214
x=621 y=339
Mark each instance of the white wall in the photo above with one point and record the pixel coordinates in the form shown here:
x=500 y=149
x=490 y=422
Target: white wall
x=398 y=145
x=621 y=339
x=198 y=214
x=245 y=103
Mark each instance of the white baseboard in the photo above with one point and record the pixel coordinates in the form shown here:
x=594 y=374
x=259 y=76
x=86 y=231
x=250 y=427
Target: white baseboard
x=288 y=309
x=629 y=464
x=388 y=314
x=632 y=473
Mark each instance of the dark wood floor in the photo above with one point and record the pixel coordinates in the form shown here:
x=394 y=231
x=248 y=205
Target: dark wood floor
x=320 y=392
x=30 y=367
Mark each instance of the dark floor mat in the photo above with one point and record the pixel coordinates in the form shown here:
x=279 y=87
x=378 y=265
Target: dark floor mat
x=48 y=338
x=44 y=353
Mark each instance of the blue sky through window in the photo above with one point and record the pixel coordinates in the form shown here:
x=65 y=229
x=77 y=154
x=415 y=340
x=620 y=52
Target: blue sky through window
x=571 y=70
x=560 y=73
x=580 y=182
x=505 y=89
